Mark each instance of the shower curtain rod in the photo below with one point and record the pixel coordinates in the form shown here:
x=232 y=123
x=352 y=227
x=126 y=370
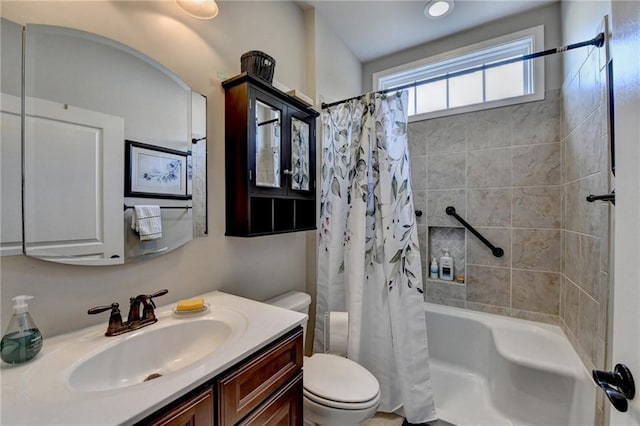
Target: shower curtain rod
x=597 y=41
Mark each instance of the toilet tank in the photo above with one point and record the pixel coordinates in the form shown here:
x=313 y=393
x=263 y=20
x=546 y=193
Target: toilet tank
x=294 y=301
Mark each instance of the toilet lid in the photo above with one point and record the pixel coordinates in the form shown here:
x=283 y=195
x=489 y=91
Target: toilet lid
x=335 y=378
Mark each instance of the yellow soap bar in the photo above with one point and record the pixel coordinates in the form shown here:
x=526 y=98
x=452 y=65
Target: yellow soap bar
x=189 y=305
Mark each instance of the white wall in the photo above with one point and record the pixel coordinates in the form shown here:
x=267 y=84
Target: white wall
x=338 y=71
x=195 y=50
x=336 y=74
x=580 y=21
x=549 y=16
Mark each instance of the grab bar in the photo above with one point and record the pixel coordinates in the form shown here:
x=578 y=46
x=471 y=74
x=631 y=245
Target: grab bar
x=497 y=251
x=605 y=197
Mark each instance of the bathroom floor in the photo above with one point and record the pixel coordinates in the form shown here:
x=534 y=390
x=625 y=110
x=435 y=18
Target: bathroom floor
x=386 y=419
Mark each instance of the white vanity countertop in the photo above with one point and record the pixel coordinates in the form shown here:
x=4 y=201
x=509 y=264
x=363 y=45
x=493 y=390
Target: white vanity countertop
x=32 y=395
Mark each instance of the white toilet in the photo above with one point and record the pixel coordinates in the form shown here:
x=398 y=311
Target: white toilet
x=337 y=391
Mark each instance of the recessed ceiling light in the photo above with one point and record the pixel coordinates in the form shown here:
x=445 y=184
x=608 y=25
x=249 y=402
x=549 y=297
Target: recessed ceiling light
x=438 y=8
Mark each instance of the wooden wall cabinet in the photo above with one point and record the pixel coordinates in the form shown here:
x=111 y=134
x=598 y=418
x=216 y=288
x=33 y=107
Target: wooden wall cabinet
x=263 y=389
x=270 y=152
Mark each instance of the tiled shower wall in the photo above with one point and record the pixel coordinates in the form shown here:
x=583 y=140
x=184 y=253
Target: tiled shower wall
x=585 y=231
x=501 y=170
x=520 y=175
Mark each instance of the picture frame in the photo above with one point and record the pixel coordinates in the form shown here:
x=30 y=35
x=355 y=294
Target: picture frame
x=153 y=171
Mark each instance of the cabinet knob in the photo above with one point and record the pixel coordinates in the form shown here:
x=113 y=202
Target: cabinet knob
x=287 y=172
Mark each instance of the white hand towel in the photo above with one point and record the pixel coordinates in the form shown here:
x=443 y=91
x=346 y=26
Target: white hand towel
x=147 y=222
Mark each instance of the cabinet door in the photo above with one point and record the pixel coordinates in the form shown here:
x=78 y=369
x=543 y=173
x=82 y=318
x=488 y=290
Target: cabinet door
x=266 y=118
x=248 y=386
x=283 y=409
x=301 y=160
x=196 y=411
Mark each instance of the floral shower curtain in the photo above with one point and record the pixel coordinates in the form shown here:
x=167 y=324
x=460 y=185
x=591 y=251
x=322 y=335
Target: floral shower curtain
x=368 y=257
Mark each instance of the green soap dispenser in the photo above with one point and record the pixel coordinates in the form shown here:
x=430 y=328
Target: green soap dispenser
x=22 y=340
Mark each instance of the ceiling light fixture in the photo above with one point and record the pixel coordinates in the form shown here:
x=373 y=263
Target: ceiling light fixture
x=438 y=8
x=201 y=9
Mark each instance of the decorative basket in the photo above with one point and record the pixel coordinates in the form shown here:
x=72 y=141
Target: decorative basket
x=259 y=64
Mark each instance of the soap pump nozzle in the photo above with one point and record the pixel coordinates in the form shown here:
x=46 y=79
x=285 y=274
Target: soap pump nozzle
x=20 y=306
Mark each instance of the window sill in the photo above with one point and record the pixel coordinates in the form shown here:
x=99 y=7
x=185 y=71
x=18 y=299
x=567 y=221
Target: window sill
x=478 y=107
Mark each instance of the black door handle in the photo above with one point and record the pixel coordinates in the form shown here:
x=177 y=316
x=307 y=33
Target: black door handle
x=618 y=385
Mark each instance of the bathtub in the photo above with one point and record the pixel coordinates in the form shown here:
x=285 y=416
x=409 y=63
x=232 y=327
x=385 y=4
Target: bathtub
x=492 y=370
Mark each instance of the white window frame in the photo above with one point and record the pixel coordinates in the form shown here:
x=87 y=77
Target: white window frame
x=412 y=71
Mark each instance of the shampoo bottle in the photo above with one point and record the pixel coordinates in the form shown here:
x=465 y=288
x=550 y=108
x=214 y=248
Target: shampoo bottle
x=446 y=266
x=22 y=340
x=434 y=268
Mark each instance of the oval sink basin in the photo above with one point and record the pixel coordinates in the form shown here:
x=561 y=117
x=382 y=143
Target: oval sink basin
x=149 y=354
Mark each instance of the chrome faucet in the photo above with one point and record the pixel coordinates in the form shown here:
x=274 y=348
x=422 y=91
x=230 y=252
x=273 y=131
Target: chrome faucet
x=135 y=319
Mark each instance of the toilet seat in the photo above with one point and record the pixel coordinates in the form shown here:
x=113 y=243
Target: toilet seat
x=338 y=382
x=341 y=405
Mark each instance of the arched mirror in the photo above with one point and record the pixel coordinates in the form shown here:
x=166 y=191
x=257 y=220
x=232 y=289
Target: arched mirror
x=102 y=132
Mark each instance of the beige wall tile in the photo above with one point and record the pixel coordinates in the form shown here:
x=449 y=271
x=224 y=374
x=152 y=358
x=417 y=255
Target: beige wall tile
x=418 y=172
x=588 y=326
x=595 y=143
x=535 y=291
x=589 y=265
x=479 y=254
x=438 y=201
x=489 y=168
x=571 y=255
x=571 y=105
x=535 y=165
x=488 y=285
x=572 y=306
x=446 y=171
x=571 y=158
x=537 y=249
x=603 y=305
x=536 y=122
x=489 y=129
x=446 y=135
x=489 y=207
x=537 y=207
x=535 y=316
x=489 y=309
x=437 y=289
x=417 y=137
x=589 y=214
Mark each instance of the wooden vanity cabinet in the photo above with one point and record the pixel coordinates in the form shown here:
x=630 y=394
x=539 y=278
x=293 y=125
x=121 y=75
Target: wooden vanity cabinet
x=195 y=411
x=263 y=389
x=270 y=153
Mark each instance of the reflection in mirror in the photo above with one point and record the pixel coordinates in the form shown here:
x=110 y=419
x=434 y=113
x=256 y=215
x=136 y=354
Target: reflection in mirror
x=267 y=145
x=197 y=176
x=299 y=154
x=84 y=95
x=10 y=145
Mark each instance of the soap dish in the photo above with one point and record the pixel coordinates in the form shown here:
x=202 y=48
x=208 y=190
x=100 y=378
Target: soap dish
x=204 y=309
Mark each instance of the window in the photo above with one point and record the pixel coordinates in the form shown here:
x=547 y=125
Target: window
x=521 y=81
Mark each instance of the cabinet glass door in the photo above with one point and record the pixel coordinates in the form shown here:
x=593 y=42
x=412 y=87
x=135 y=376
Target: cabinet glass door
x=268 y=142
x=300 y=174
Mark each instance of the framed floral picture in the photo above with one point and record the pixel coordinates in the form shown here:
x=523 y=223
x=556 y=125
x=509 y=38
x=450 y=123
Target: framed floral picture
x=155 y=172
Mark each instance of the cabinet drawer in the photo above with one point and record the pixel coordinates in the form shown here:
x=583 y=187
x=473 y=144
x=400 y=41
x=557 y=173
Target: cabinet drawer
x=253 y=382
x=196 y=411
x=282 y=409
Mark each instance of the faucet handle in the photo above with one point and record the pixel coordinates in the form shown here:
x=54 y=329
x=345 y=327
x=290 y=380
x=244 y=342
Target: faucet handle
x=98 y=309
x=115 y=319
x=159 y=293
x=156 y=294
